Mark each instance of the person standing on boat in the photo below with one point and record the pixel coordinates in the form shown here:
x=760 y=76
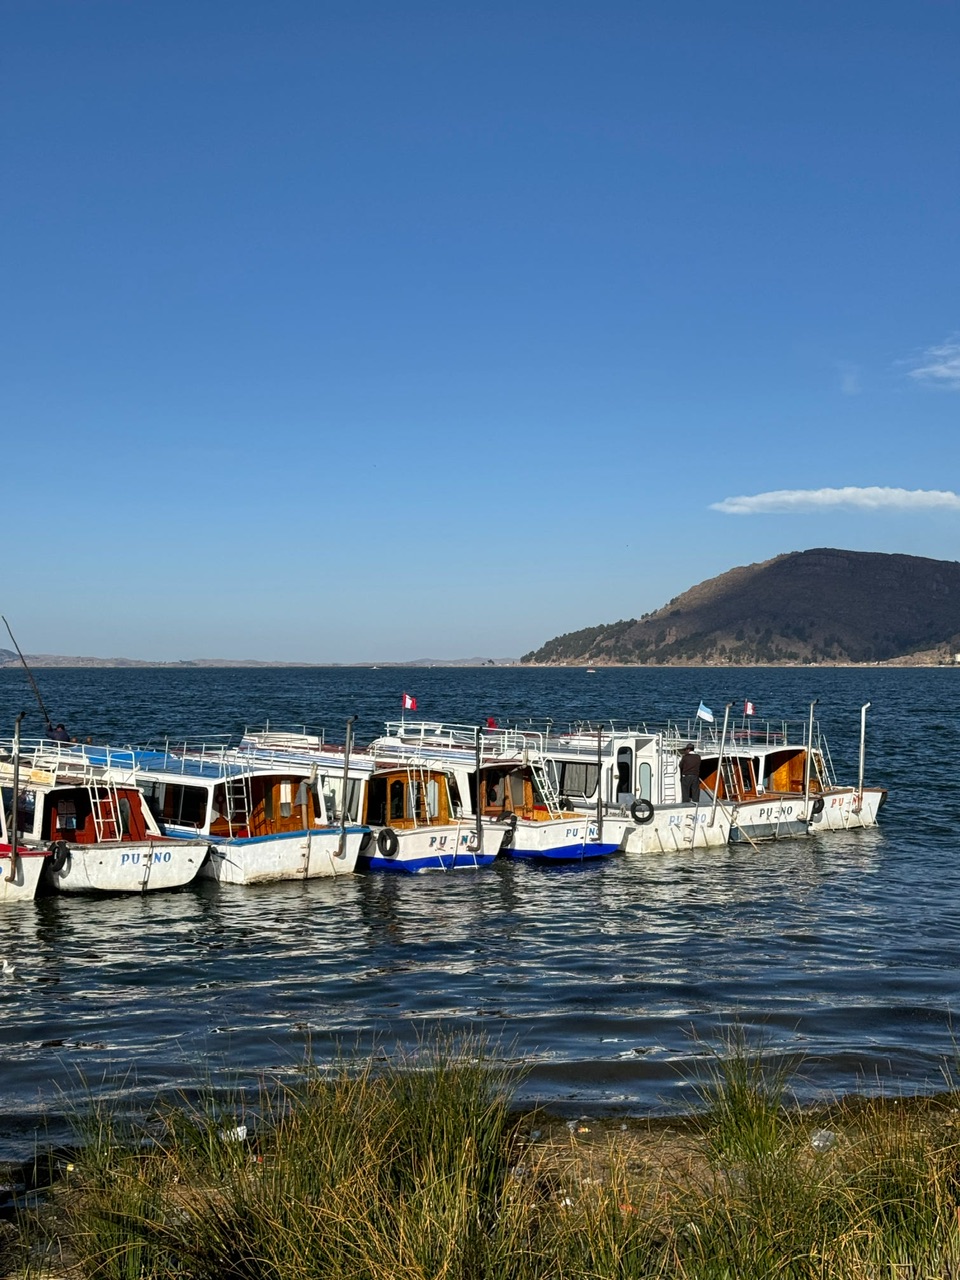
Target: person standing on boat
x=690 y=775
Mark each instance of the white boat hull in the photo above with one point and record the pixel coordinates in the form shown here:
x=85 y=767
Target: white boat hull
x=562 y=840
x=451 y=847
x=680 y=826
x=843 y=811
x=23 y=886
x=128 y=866
x=771 y=817
x=295 y=855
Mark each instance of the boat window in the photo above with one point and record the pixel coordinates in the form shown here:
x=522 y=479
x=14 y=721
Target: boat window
x=433 y=799
x=66 y=815
x=453 y=792
x=286 y=799
x=377 y=802
x=175 y=804
x=396 y=800
x=645 y=781
x=124 y=807
x=332 y=790
x=578 y=778
x=493 y=790
x=26 y=812
x=516 y=791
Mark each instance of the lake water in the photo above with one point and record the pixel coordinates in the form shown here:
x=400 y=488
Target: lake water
x=610 y=981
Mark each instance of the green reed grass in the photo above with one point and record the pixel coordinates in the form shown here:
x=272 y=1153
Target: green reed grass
x=416 y=1170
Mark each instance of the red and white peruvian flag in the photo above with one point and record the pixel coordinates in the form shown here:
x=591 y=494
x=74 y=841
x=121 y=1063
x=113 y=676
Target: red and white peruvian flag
x=749 y=709
x=408 y=703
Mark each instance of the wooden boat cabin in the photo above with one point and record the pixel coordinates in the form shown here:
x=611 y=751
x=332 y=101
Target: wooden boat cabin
x=82 y=814
x=514 y=788
x=758 y=772
x=238 y=805
x=405 y=798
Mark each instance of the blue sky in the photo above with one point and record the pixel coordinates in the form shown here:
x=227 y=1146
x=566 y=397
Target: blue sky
x=339 y=331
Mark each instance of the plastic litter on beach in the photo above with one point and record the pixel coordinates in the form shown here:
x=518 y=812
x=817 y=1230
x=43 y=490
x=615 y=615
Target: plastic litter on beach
x=823 y=1140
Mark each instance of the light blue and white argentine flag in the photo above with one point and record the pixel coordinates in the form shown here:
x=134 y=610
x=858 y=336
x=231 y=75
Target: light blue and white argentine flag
x=704 y=713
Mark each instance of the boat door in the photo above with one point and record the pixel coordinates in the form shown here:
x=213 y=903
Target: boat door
x=624 y=793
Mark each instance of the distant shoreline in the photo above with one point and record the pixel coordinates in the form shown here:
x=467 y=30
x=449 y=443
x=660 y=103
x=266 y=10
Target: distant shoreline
x=48 y=663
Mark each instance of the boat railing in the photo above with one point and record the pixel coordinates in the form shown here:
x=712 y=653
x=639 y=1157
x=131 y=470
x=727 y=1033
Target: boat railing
x=740 y=732
x=295 y=736
x=821 y=750
x=435 y=732
x=325 y=758
x=457 y=740
x=71 y=762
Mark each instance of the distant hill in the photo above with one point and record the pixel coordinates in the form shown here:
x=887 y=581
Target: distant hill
x=824 y=606
x=8 y=658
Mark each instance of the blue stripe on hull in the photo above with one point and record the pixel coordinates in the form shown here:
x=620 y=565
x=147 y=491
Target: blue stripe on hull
x=563 y=852
x=425 y=862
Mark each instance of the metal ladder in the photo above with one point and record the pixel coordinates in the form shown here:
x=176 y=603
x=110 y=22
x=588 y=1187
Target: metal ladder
x=731 y=781
x=105 y=807
x=668 y=782
x=237 y=801
x=545 y=785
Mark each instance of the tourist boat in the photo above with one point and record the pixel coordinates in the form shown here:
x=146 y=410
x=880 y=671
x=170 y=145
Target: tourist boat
x=411 y=805
x=516 y=796
x=418 y=824
x=95 y=826
x=20 y=872
x=762 y=782
x=264 y=820
x=633 y=775
x=776 y=787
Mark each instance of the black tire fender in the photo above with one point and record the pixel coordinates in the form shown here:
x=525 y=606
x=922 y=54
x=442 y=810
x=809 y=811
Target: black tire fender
x=510 y=822
x=59 y=853
x=817 y=806
x=641 y=811
x=387 y=842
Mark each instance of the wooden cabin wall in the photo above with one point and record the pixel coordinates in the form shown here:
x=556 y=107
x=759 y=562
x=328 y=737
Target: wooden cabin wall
x=788 y=775
x=267 y=815
x=112 y=820
x=390 y=802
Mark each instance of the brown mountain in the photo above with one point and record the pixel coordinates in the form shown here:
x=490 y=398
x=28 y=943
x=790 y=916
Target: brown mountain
x=806 y=606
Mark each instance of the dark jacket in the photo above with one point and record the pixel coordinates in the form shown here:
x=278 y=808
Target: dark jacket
x=690 y=762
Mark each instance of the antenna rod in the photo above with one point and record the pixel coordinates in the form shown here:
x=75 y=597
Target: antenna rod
x=33 y=683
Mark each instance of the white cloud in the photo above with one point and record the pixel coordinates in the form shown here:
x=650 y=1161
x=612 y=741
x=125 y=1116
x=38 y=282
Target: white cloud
x=940 y=365
x=868 y=499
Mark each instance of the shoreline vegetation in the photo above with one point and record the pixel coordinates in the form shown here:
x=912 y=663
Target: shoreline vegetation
x=418 y=1169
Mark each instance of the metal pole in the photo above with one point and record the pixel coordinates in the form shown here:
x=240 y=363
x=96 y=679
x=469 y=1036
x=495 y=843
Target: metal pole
x=33 y=683
x=479 y=814
x=15 y=808
x=809 y=760
x=599 y=788
x=716 y=789
x=863 y=753
x=343 y=797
